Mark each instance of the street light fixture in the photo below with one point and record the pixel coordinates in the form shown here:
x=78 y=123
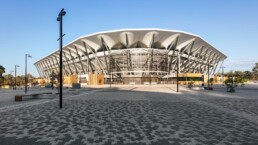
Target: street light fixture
x=60 y=19
x=15 y=76
x=26 y=78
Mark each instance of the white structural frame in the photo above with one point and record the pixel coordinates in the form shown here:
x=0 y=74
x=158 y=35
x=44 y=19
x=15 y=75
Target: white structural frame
x=130 y=51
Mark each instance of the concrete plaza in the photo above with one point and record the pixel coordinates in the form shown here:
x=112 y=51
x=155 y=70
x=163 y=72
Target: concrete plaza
x=132 y=115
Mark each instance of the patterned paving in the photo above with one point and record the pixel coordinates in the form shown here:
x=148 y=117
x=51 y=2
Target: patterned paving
x=133 y=115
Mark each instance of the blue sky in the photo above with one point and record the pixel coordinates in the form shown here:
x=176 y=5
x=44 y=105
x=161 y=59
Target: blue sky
x=28 y=26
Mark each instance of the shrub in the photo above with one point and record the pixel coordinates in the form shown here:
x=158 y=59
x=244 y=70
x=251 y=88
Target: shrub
x=191 y=83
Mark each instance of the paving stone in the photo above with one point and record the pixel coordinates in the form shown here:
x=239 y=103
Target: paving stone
x=116 y=116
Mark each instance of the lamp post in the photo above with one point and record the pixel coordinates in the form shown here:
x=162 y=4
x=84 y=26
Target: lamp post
x=177 y=71
x=208 y=75
x=110 y=65
x=26 y=79
x=15 y=76
x=60 y=19
x=150 y=77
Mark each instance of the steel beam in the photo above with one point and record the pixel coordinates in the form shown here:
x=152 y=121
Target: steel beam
x=67 y=61
x=88 y=58
x=73 y=58
x=79 y=57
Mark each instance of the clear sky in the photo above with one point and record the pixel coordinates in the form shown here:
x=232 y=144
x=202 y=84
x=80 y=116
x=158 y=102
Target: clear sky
x=28 y=26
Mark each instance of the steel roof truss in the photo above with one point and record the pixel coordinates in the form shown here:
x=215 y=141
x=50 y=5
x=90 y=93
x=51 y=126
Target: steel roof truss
x=80 y=60
x=88 y=59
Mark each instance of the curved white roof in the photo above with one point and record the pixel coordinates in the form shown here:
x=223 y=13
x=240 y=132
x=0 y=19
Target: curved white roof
x=190 y=47
x=164 y=36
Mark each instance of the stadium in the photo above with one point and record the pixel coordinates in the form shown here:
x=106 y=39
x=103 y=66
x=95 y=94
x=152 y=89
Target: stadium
x=134 y=56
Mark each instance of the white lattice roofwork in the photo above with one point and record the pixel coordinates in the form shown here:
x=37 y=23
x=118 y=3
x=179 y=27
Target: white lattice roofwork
x=80 y=53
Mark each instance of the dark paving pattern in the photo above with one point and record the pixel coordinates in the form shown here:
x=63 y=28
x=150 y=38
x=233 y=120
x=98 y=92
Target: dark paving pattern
x=126 y=117
x=245 y=100
x=248 y=106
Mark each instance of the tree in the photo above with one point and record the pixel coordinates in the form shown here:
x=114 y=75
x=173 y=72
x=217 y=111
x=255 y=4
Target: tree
x=229 y=84
x=248 y=75
x=238 y=74
x=229 y=81
x=255 y=71
x=20 y=80
x=30 y=78
x=53 y=76
x=7 y=79
x=230 y=73
x=2 y=70
x=211 y=81
x=241 y=77
x=240 y=80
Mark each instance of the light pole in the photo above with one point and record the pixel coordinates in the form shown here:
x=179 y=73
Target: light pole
x=60 y=19
x=177 y=71
x=150 y=77
x=15 y=75
x=208 y=75
x=110 y=78
x=26 y=79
